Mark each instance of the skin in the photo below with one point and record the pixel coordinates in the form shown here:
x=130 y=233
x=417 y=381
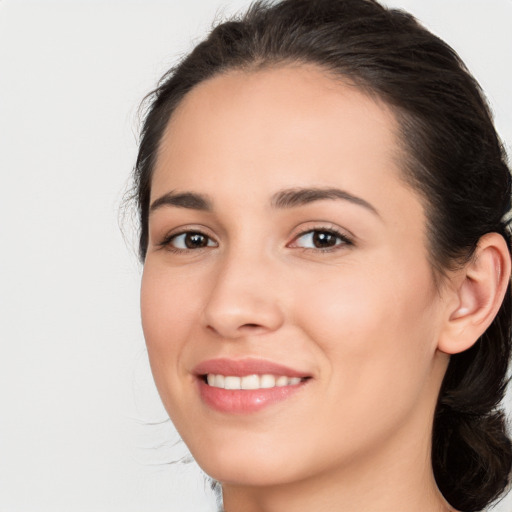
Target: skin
x=364 y=319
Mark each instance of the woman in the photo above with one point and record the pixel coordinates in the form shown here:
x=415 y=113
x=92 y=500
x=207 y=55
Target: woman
x=326 y=292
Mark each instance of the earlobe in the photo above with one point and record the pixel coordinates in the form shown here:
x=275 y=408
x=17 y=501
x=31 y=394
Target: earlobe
x=478 y=294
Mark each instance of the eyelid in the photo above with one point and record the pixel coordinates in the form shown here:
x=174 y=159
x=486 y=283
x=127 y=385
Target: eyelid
x=185 y=234
x=346 y=237
x=165 y=241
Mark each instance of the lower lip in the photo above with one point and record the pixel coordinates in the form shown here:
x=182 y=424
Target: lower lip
x=245 y=401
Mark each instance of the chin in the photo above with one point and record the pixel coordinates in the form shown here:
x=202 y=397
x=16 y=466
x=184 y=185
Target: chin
x=258 y=468
x=251 y=474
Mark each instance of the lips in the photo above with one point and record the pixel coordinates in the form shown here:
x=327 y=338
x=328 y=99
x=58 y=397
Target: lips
x=246 y=386
x=242 y=367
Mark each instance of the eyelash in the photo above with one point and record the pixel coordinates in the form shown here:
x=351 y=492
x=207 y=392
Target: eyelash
x=343 y=238
x=167 y=241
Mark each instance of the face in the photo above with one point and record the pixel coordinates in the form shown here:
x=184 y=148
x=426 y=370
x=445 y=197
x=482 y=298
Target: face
x=287 y=257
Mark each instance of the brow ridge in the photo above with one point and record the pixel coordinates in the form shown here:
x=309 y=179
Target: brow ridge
x=189 y=200
x=294 y=197
x=288 y=198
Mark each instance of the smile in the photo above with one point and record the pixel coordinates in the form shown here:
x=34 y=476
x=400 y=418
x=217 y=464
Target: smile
x=251 y=382
x=246 y=386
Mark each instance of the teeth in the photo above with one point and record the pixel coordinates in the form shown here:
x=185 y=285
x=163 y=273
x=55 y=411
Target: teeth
x=267 y=381
x=282 y=381
x=218 y=381
x=251 y=381
x=231 y=382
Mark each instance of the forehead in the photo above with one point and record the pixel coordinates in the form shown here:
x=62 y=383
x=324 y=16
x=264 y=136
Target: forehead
x=278 y=127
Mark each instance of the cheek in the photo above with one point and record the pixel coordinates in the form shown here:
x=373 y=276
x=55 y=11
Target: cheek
x=348 y=303
x=166 y=310
x=375 y=331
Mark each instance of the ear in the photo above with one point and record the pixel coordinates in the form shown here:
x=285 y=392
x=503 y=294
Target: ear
x=477 y=292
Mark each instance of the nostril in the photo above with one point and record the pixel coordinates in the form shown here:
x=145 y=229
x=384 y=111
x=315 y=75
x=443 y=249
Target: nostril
x=237 y=332
x=250 y=329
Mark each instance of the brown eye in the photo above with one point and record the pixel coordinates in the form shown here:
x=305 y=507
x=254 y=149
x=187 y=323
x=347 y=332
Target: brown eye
x=191 y=240
x=194 y=240
x=321 y=239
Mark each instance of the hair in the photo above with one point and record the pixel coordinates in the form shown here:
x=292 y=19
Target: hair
x=451 y=155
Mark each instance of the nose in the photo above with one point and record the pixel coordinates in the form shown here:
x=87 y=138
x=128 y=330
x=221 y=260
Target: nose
x=243 y=299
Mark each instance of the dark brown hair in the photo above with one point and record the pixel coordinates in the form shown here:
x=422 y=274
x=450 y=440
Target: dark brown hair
x=453 y=157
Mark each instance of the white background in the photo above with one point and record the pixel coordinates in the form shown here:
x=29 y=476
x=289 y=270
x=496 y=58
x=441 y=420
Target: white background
x=79 y=417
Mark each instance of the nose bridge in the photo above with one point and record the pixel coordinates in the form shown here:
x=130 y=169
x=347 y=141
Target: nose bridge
x=243 y=299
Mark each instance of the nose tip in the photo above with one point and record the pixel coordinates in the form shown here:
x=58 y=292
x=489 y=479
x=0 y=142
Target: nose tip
x=241 y=318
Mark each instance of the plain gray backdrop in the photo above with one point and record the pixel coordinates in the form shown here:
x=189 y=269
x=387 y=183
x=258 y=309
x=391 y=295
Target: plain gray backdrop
x=81 y=425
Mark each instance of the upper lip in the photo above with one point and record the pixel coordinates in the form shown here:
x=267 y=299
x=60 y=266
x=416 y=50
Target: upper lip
x=243 y=367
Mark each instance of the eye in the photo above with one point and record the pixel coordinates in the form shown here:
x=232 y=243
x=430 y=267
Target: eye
x=321 y=239
x=189 y=240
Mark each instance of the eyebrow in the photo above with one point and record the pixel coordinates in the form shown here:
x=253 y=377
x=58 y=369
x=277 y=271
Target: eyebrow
x=189 y=200
x=288 y=198
x=301 y=196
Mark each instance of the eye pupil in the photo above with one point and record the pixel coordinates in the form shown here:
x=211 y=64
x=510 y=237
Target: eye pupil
x=324 y=239
x=195 y=240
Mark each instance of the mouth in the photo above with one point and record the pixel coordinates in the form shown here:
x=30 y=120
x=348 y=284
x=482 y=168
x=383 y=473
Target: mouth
x=246 y=386
x=251 y=382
